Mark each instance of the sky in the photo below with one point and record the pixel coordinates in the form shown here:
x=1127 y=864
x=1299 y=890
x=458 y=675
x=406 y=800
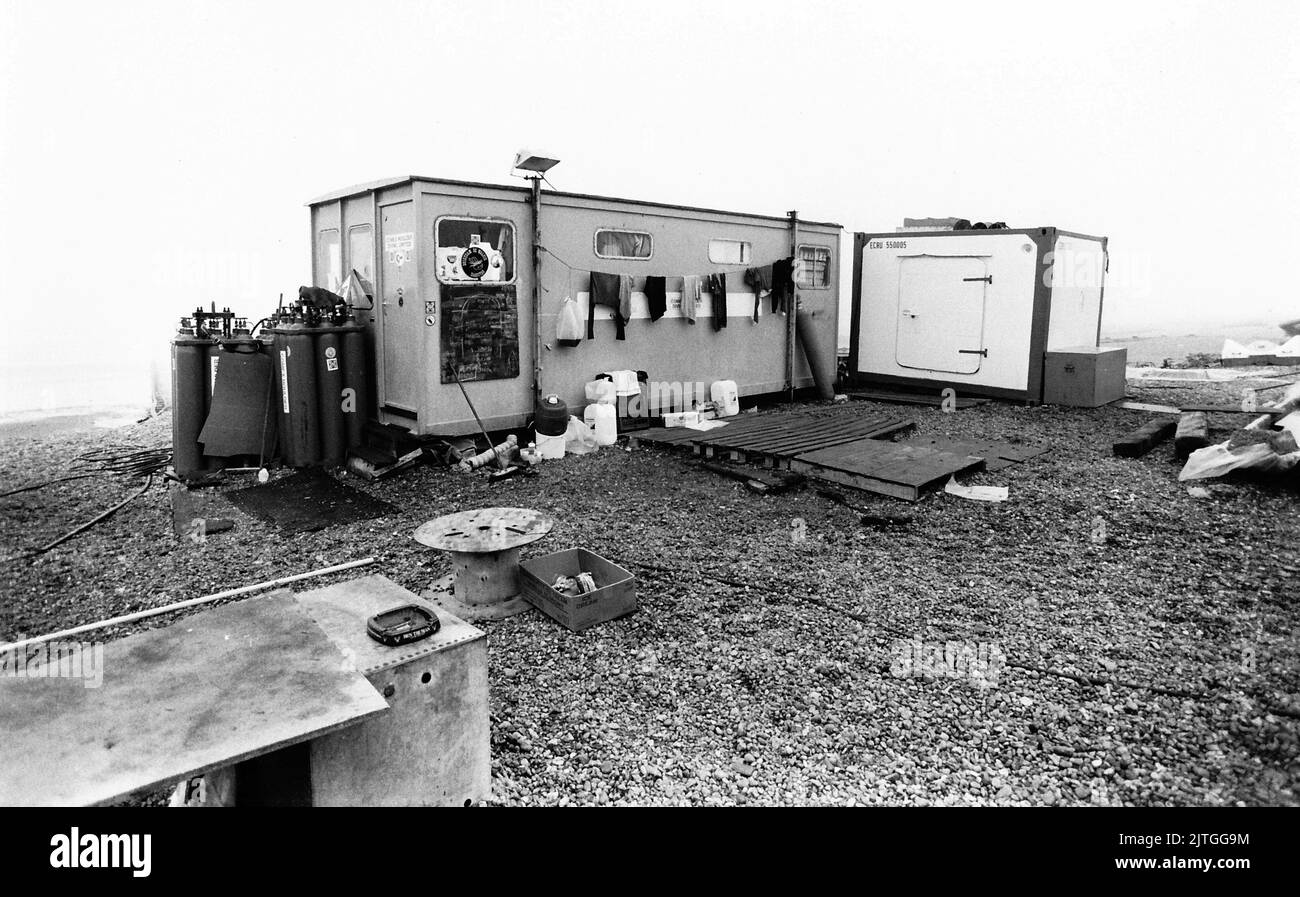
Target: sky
x=158 y=155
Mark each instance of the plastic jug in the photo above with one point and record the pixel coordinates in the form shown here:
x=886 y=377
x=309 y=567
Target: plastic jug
x=726 y=397
x=601 y=392
x=602 y=421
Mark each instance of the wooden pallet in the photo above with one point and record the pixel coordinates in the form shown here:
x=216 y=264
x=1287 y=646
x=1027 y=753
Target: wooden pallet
x=899 y=469
x=776 y=441
x=996 y=455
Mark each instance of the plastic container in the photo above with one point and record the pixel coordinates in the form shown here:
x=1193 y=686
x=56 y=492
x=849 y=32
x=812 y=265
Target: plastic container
x=549 y=447
x=726 y=396
x=603 y=422
x=552 y=418
x=601 y=392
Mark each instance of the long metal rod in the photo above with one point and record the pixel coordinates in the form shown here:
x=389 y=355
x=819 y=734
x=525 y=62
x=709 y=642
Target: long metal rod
x=472 y=410
x=793 y=309
x=537 y=290
x=182 y=605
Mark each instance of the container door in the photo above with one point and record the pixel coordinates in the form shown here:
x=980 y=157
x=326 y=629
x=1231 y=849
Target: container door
x=941 y=313
x=400 y=313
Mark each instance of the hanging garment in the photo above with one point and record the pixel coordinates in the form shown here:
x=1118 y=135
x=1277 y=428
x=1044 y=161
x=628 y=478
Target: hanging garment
x=690 y=297
x=568 y=332
x=783 y=285
x=612 y=291
x=656 y=294
x=717 y=285
x=760 y=281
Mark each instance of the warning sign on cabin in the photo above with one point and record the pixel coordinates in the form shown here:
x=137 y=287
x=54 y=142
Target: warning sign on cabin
x=398 y=248
x=479 y=333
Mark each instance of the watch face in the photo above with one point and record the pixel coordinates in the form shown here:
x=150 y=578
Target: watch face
x=474 y=262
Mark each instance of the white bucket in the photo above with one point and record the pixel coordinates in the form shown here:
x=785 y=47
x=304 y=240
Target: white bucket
x=549 y=447
x=726 y=396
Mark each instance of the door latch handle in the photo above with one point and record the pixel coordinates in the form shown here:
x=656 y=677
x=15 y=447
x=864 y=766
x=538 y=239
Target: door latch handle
x=981 y=352
x=910 y=314
x=988 y=278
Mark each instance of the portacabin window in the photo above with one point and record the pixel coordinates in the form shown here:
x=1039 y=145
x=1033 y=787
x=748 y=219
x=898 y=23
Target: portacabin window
x=816 y=272
x=329 y=260
x=623 y=244
x=474 y=250
x=729 y=252
x=361 y=255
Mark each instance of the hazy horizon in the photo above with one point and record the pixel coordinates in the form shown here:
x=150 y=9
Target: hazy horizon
x=162 y=156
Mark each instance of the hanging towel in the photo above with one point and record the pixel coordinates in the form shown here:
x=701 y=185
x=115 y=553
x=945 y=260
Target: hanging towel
x=613 y=291
x=783 y=285
x=690 y=297
x=656 y=294
x=568 y=332
x=625 y=382
x=717 y=285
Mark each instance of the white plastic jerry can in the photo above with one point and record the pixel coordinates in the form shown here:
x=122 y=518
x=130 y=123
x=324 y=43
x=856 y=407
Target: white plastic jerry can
x=726 y=397
x=601 y=419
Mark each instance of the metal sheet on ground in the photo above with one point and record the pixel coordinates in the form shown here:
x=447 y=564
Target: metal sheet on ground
x=221 y=686
x=305 y=502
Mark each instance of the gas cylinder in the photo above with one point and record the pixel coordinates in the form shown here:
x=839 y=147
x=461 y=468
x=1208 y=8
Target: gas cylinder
x=189 y=398
x=295 y=361
x=259 y=413
x=329 y=385
x=356 y=378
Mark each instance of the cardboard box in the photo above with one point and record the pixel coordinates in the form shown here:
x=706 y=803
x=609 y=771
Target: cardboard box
x=1084 y=376
x=615 y=594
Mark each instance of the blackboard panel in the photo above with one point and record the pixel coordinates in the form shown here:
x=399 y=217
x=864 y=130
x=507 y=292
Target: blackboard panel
x=480 y=333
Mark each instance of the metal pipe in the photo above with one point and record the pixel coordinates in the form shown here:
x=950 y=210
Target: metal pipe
x=537 y=289
x=793 y=310
x=182 y=605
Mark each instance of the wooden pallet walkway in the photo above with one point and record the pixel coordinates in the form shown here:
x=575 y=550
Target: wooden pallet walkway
x=899 y=469
x=775 y=438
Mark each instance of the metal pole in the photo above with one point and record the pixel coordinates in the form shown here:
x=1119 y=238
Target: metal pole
x=793 y=215
x=537 y=289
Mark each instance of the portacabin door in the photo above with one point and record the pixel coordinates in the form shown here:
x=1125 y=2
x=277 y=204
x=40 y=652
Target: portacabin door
x=400 y=313
x=941 y=303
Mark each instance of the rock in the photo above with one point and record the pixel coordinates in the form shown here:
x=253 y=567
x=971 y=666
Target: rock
x=742 y=768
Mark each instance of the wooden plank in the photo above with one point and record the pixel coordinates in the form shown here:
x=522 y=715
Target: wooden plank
x=1146 y=437
x=892 y=462
x=856 y=481
x=911 y=398
x=215 y=688
x=811 y=438
x=1193 y=433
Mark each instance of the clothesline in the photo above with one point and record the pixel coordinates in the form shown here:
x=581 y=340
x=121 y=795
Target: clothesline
x=738 y=269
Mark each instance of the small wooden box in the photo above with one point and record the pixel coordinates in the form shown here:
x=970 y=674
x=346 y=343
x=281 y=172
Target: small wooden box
x=1084 y=376
x=615 y=594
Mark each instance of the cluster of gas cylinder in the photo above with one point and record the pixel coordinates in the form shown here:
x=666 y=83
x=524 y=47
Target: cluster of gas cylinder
x=316 y=384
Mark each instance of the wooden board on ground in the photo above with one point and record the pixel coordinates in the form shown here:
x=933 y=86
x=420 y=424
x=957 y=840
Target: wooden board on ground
x=788 y=436
x=221 y=686
x=1144 y=438
x=888 y=468
x=996 y=454
x=899 y=397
